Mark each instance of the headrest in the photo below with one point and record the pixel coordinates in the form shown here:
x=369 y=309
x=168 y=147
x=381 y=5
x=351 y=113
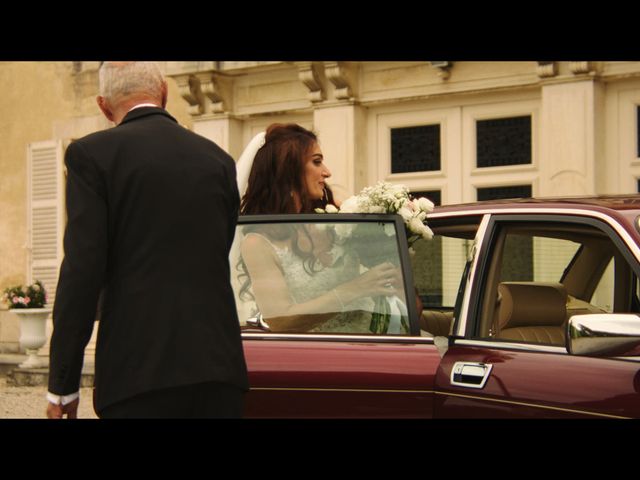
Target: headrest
x=531 y=304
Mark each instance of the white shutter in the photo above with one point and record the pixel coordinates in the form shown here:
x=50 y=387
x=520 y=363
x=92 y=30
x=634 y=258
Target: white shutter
x=46 y=213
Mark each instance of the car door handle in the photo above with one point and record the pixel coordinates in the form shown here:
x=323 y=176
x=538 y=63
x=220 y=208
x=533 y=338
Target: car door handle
x=470 y=374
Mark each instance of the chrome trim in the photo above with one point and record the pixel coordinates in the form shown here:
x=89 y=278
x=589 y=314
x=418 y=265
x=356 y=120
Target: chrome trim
x=347 y=390
x=534 y=405
x=476 y=248
x=511 y=346
x=340 y=338
x=476 y=370
x=603 y=334
x=546 y=210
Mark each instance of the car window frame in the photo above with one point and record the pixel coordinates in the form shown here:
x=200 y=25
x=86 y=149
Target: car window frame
x=405 y=263
x=495 y=222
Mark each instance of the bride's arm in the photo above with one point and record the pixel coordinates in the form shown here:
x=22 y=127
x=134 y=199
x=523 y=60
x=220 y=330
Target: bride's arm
x=274 y=299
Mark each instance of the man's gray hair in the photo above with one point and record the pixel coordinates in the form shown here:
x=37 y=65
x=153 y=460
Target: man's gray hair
x=123 y=79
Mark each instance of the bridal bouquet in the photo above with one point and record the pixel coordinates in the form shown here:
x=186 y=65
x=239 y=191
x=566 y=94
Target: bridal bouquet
x=384 y=197
x=32 y=296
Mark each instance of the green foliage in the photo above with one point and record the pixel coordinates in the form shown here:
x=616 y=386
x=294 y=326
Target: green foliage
x=31 y=296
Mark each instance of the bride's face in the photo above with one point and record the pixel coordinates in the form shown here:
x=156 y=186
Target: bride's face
x=315 y=173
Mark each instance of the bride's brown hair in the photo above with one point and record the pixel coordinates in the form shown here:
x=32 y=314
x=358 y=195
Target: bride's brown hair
x=277 y=173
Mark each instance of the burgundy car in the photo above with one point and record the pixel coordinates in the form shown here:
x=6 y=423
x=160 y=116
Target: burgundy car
x=515 y=309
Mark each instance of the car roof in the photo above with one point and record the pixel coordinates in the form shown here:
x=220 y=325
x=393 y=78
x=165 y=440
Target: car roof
x=612 y=202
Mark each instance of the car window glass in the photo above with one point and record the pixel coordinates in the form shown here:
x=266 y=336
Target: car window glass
x=534 y=258
x=336 y=278
x=539 y=275
x=603 y=294
x=438 y=266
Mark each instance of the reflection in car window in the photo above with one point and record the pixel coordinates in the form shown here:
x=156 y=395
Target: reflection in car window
x=320 y=278
x=437 y=267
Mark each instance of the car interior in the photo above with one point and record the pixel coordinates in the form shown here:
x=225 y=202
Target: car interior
x=538 y=276
x=577 y=269
x=438 y=266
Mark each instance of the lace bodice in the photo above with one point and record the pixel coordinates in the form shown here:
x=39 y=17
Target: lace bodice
x=305 y=285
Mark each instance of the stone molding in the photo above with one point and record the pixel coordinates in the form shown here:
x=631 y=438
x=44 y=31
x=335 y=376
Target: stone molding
x=547 y=69
x=578 y=68
x=312 y=75
x=205 y=92
x=343 y=77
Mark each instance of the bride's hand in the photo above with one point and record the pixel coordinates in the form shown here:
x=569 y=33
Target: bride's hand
x=379 y=280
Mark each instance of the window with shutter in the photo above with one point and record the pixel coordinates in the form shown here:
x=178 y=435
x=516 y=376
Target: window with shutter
x=45 y=213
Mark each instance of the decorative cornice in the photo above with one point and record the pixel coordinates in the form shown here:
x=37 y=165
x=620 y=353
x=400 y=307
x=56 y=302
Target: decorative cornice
x=216 y=89
x=204 y=92
x=547 y=69
x=189 y=89
x=578 y=68
x=311 y=75
x=341 y=75
x=444 y=69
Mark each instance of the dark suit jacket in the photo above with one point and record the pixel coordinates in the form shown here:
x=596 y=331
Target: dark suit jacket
x=152 y=210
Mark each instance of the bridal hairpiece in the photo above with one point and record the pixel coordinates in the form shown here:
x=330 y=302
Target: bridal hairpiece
x=245 y=162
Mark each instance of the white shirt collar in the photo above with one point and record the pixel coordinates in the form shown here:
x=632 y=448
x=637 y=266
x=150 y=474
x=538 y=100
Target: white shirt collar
x=143 y=105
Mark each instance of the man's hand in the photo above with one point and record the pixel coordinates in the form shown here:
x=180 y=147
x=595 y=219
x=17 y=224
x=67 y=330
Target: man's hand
x=59 y=411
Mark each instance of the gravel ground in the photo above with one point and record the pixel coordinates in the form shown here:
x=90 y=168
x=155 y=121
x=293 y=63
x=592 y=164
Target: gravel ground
x=30 y=402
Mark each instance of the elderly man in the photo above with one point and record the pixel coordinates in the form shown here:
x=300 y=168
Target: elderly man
x=152 y=210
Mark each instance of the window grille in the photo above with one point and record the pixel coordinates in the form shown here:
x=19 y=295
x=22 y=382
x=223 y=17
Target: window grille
x=497 y=193
x=503 y=141
x=415 y=149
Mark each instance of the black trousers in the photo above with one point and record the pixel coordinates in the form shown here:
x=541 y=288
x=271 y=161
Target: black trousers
x=202 y=400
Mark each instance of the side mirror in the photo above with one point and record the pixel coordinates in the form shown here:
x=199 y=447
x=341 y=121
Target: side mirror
x=600 y=335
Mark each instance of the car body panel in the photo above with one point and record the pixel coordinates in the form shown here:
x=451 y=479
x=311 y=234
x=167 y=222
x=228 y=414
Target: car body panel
x=354 y=379
x=539 y=384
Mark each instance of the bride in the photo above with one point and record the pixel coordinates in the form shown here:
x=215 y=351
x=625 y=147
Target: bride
x=301 y=278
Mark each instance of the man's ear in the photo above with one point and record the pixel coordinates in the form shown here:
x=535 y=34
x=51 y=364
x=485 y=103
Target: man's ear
x=104 y=107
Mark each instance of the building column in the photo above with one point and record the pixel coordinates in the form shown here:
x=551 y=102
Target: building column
x=571 y=138
x=224 y=131
x=209 y=96
x=341 y=131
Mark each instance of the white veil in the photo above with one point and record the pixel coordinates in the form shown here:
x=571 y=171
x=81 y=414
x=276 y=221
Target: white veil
x=245 y=162
x=246 y=308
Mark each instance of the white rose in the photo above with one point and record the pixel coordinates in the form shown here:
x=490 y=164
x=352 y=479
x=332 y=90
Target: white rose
x=415 y=225
x=426 y=233
x=331 y=209
x=350 y=205
x=405 y=213
x=425 y=204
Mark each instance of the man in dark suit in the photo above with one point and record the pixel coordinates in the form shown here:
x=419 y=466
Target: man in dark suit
x=152 y=210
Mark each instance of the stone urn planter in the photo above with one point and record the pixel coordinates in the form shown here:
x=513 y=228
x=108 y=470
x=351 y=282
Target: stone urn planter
x=33 y=336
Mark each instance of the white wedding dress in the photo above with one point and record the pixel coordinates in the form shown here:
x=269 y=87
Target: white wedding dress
x=304 y=286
